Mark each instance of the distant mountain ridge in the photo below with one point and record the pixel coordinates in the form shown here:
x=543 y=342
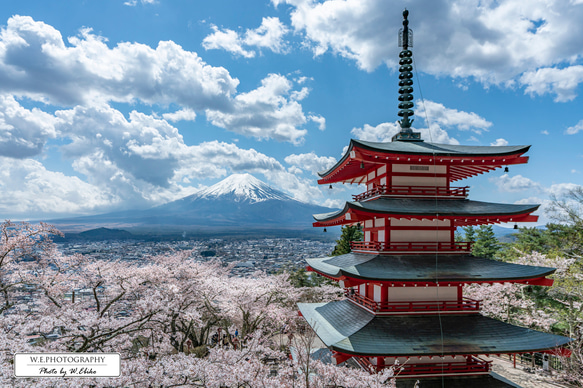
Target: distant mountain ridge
x=240 y=202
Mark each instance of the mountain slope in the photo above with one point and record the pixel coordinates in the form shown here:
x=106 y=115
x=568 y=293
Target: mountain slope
x=238 y=202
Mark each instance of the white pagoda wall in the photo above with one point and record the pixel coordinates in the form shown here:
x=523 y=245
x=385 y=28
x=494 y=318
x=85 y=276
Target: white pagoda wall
x=433 y=230
x=420 y=294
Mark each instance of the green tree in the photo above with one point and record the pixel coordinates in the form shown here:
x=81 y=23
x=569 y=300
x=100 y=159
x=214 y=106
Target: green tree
x=469 y=233
x=349 y=233
x=486 y=244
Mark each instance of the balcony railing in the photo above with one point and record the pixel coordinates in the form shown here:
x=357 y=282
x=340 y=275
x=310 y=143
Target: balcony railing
x=472 y=365
x=416 y=246
x=414 y=191
x=466 y=304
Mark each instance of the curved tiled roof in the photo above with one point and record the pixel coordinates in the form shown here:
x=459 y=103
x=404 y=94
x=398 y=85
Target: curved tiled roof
x=425 y=148
x=433 y=207
x=347 y=328
x=419 y=268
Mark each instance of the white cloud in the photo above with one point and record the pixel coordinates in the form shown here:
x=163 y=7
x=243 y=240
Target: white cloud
x=23 y=132
x=575 y=128
x=133 y=3
x=321 y=121
x=438 y=114
x=264 y=112
x=269 y=35
x=36 y=63
x=334 y=203
x=492 y=42
x=385 y=131
x=562 y=83
x=180 y=115
x=311 y=162
x=544 y=132
x=27 y=187
x=228 y=40
x=500 y=142
x=515 y=183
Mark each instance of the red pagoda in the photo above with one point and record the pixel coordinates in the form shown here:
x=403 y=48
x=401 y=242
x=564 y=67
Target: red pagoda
x=404 y=283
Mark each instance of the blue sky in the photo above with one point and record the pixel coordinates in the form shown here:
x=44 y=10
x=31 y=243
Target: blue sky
x=115 y=104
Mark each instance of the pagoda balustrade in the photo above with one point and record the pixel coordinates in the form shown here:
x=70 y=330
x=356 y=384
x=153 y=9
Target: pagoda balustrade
x=417 y=191
x=472 y=365
x=466 y=304
x=415 y=246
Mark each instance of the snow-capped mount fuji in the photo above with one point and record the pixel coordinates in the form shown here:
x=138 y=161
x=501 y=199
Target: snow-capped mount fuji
x=240 y=188
x=238 y=204
x=242 y=200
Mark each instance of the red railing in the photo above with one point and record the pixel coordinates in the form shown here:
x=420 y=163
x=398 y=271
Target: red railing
x=472 y=365
x=377 y=246
x=416 y=191
x=466 y=304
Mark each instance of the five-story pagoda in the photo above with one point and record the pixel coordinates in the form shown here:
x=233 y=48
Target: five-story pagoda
x=404 y=282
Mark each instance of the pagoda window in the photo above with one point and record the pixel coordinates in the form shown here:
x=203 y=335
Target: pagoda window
x=383 y=181
x=382 y=170
x=371 y=175
x=367 y=235
x=423 y=294
x=381 y=237
x=433 y=181
x=378 y=222
x=368 y=223
x=362 y=289
x=415 y=235
x=377 y=293
x=418 y=169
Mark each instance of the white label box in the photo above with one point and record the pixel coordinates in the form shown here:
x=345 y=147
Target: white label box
x=67 y=365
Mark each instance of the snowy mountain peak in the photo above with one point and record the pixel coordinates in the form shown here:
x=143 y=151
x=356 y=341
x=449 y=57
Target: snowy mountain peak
x=241 y=187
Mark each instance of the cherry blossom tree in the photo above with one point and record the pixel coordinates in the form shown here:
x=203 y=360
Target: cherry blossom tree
x=155 y=313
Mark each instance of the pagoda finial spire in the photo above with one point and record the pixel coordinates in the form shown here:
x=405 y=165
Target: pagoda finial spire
x=406 y=83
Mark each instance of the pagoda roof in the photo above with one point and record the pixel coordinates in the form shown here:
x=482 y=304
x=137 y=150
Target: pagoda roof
x=420 y=268
x=492 y=380
x=466 y=160
x=347 y=328
x=423 y=208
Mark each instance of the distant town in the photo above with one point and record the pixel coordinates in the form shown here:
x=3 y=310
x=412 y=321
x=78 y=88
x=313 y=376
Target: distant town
x=269 y=255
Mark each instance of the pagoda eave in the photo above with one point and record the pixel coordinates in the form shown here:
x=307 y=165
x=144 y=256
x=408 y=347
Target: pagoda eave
x=420 y=269
x=347 y=328
x=360 y=159
x=354 y=212
x=349 y=281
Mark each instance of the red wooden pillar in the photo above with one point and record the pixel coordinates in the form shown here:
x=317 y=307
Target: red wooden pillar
x=384 y=293
x=380 y=363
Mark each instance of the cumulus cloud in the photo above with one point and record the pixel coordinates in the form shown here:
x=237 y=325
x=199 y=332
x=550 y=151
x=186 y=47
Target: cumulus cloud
x=180 y=115
x=264 y=112
x=27 y=187
x=515 y=183
x=228 y=40
x=575 y=128
x=23 y=132
x=438 y=114
x=491 y=42
x=35 y=62
x=269 y=35
x=310 y=162
x=385 y=131
x=321 y=121
x=500 y=142
x=440 y=120
x=133 y=3
x=562 y=83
